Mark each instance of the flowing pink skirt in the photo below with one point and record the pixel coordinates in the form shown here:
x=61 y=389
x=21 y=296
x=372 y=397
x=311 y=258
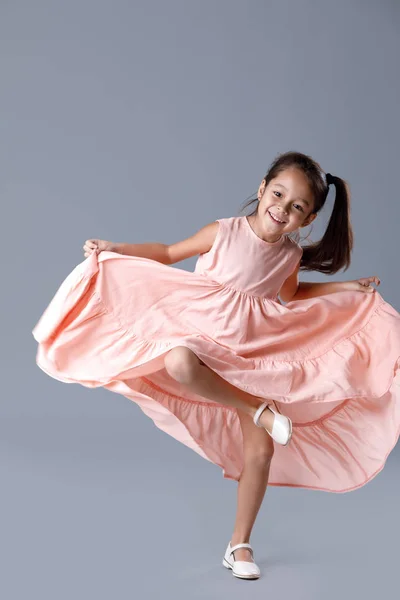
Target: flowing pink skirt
x=330 y=363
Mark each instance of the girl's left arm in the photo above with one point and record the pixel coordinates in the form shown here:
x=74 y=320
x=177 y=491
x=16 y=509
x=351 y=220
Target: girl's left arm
x=308 y=289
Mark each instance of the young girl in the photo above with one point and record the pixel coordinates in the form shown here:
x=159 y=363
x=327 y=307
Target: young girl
x=216 y=360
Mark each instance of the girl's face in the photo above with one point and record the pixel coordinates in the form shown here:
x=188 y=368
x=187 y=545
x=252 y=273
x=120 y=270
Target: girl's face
x=289 y=199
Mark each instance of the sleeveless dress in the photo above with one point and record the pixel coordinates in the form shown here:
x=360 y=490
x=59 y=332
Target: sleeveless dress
x=330 y=363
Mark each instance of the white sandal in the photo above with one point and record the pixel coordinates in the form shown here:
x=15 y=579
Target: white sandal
x=281 y=428
x=240 y=568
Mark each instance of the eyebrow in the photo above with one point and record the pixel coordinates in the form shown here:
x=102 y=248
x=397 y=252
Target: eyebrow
x=306 y=201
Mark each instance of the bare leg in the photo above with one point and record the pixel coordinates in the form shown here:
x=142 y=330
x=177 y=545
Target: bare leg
x=184 y=366
x=258 y=450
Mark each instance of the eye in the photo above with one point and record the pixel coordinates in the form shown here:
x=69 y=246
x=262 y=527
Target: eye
x=300 y=207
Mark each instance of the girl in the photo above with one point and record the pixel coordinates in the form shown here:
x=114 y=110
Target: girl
x=302 y=394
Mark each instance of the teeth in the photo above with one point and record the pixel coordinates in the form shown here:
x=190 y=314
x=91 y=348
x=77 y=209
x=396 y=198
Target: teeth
x=275 y=219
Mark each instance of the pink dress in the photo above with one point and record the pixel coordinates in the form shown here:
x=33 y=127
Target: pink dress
x=331 y=363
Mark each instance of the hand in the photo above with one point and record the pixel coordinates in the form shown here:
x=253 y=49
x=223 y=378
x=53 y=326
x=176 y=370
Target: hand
x=362 y=285
x=98 y=246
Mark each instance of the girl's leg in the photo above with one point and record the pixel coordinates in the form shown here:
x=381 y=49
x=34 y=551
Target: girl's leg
x=258 y=448
x=185 y=366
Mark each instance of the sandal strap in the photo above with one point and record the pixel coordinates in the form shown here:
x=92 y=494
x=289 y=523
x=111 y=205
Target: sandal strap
x=257 y=415
x=243 y=545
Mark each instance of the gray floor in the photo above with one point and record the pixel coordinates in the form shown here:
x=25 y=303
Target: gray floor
x=114 y=508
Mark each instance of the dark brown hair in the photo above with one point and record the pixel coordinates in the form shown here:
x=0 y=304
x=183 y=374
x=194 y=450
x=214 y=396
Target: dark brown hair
x=332 y=252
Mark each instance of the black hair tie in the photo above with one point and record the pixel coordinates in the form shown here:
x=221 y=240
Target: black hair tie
x=329 y=178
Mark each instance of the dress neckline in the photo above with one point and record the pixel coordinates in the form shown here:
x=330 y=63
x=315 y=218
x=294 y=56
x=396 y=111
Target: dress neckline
x=261 y=240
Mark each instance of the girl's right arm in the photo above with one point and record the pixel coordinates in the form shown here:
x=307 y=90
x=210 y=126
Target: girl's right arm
x=198 y=243
x=153 y=250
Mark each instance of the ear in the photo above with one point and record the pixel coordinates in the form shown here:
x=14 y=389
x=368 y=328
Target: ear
x=309 y=219
x=261 y=189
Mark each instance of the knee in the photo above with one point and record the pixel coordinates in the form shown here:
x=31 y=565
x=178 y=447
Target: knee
x=260 y=457
x=182 y=364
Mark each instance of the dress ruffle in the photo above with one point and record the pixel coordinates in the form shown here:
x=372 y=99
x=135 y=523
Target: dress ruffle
x=343 y=398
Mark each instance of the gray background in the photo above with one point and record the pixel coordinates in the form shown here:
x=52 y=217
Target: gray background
x=143 y=121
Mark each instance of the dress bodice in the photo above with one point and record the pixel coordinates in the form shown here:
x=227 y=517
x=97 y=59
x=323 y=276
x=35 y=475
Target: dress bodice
x=241 y=260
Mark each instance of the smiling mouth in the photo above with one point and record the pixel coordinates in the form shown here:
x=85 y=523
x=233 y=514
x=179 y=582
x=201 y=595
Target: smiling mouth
x=276 y=220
